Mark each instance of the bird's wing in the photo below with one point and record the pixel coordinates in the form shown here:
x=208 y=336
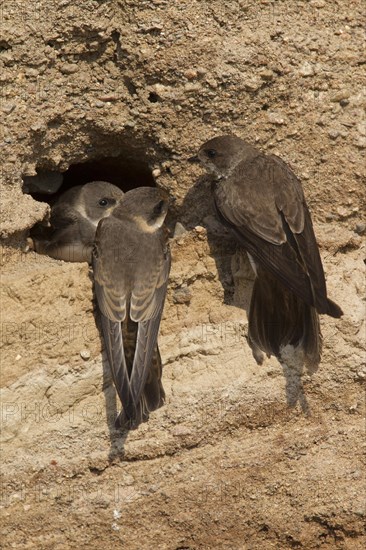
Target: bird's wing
x=71 y=241
x=111 y=286
x=288 y=193
x=111 y=292
x=63 y=212
x=112 y=333
x=62 y=217
x=297 y=223
x=147 y=304
x=267 y=210
x=309 y=252
x=246 y=198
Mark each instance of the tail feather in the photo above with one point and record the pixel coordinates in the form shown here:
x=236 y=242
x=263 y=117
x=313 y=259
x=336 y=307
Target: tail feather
x=153 y=398
x=311 y=340
x=277 y=317
x=153 y=395
x=125 y=422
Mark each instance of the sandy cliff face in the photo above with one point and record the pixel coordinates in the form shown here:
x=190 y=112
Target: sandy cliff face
x=240 y=456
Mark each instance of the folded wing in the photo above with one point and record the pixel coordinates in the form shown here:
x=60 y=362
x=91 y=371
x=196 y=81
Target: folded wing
x=130 y=290
x=269 y=215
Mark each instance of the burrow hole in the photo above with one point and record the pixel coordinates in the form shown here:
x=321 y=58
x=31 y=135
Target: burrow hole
x=124 y=172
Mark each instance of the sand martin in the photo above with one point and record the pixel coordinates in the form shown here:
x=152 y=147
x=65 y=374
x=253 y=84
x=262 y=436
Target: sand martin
x=131 y=264
x=74 y=220
x=262 y=201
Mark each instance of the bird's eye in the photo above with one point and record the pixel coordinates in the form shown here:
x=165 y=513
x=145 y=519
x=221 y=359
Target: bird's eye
x=103 y=202
x=211 y=153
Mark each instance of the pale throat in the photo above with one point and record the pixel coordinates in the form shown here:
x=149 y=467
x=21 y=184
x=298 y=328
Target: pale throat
x=217 y=173
x=147 y=227
x=82 y=211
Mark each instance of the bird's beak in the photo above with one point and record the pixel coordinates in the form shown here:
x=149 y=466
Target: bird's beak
x=194 y=160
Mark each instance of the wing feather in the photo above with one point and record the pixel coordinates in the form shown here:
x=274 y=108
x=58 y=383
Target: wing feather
x=112 y=305
x=127 y=289
x=111 y=297
x=112 y=333
x=273 y=223
x=147 y=334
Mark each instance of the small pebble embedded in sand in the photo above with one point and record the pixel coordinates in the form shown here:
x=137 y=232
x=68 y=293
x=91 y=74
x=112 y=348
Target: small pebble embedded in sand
x=85 y=354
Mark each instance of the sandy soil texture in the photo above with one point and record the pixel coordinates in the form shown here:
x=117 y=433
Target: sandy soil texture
x=240 y=456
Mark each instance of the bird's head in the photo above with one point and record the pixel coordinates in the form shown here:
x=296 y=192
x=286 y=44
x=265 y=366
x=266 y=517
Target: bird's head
x=222 y=154
x=100 y=198
x=146 y=206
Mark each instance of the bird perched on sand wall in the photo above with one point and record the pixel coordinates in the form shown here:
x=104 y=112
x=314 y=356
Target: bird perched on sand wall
x=74 y=219
x=262 y=201
x=131 y=264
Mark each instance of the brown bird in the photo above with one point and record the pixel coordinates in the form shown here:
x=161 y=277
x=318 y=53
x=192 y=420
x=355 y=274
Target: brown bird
x=131 y=264
x=74 y=219
x=262 y=201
